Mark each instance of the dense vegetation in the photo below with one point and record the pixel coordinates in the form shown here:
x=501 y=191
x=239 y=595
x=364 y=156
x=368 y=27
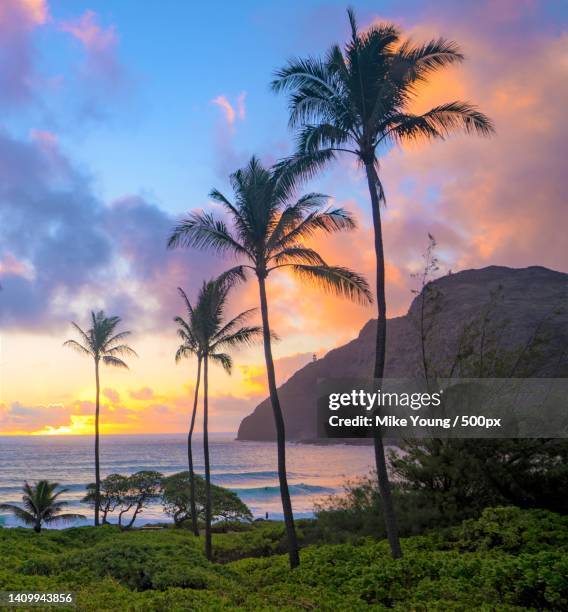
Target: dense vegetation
x=226 y=505
x=507 y=559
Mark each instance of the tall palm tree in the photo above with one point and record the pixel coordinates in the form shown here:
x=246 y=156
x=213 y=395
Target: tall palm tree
x=188 y=333
x=211 y=336
x=269 y=233
x=102 y=344
x=41 y=505
x=356 y=101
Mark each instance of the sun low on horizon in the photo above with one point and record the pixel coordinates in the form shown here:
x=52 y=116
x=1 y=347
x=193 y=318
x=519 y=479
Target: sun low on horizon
x=106 y=140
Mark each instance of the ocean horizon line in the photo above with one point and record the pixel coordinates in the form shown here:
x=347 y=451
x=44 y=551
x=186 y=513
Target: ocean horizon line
x=116 y=435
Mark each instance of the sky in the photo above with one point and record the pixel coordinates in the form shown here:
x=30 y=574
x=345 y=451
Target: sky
x=117 y=117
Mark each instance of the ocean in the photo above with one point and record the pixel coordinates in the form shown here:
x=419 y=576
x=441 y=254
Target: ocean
x=248 y=468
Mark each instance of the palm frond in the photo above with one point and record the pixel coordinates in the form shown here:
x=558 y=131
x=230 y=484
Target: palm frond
x=77 y=347
x=203 y=231
x=114 y=361
x=297 y=254
x=303 y=167
x=121 y=349
x=233 y=323
x=231 y=277
x=313 y=138
x=239 y=220
x=67 y=517
x=87 y=339
x=184 y=351
x=460 y=116
x=336 y=280
x=223 y=360
x=299 y=73
x=291 y=215
x=328 y=221
x=244 y=336
x=420 y=60
x=439 y=122
x=118 y=337
x=26 y=517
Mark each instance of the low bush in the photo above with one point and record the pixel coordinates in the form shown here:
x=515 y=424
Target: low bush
x=507 y=559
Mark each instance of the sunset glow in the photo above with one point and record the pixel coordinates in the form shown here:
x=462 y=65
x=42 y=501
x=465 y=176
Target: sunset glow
x=106 y=140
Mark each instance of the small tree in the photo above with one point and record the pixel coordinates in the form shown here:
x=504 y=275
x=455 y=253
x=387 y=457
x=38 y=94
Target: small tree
x=227 y=506
x=460 y=477
x=143 y=488
x=176 y=500
x=114 y=489
x=428 y=296
x=41 y=505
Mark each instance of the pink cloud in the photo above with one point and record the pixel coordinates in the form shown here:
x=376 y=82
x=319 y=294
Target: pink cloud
x=227 y=157
x=89 y=32
x=12 y=266
x=100 y=45
x=18 y=73
x=229 y=111
x=44 y=137
x=234 y=111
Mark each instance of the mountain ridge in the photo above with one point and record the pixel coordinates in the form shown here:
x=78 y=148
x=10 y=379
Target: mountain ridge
x=529 y=296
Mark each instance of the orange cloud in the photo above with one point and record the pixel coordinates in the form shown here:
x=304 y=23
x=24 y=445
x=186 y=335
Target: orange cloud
x=501 y=200
x=232 y=112
x=229 y=111
x=37 y=9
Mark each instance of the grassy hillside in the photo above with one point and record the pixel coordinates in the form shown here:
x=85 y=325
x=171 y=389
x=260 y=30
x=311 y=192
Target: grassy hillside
x=508 y=559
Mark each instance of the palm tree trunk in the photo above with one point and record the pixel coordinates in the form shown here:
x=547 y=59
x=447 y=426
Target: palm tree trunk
x=190 y=454
x=97 y=450
x=280 y=431
x=380 y=350
x=208 y=551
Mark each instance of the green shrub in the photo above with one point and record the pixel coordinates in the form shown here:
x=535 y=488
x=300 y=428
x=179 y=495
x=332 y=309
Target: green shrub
x=508 y=559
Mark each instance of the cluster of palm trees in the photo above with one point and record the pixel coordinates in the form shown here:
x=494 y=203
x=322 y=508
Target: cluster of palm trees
x=355 y=101
x=207 y=336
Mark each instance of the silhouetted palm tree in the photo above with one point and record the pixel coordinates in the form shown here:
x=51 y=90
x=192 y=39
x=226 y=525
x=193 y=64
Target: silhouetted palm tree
x=101 y=343
x=41 y=505
x=190 y=346
x=357 y=101
x=269 y=233
x=210 y=337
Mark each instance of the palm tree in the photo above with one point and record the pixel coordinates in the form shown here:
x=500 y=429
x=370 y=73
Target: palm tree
x=188 y=333
x=101 y=343
x=210 y=336
x=357 y=101
x=41 y=505
x=269 y=234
